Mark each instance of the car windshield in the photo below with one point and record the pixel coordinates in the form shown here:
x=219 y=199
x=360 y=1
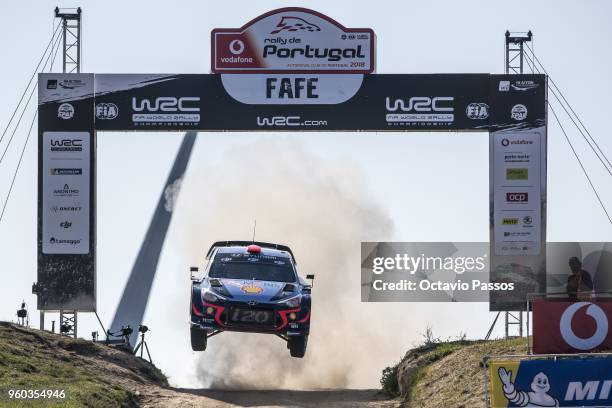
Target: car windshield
x=252 y=266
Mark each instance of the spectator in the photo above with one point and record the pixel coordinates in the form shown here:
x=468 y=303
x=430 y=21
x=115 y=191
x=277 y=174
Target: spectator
x=579 y=281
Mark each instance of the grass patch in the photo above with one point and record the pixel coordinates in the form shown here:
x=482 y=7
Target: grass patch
x=30 y=361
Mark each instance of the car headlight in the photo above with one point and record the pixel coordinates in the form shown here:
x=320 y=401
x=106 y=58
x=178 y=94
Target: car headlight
x=292 y=302
x=208 y=296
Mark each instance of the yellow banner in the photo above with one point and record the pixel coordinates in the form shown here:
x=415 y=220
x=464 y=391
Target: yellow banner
x=502 y=372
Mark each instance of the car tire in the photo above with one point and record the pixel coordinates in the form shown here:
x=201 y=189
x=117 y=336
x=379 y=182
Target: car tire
x=297 y=346
x=198 y=339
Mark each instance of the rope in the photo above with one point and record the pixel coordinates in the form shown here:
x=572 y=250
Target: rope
x=30 y=81
x=18 y=165
x=24 y=109
x=580 y=162
x=555 y=89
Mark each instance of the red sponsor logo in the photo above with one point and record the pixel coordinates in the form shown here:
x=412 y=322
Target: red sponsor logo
x=236 y=50
x=571 y=327
x=517 y=197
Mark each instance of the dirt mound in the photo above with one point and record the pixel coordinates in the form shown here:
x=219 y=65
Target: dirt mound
x=446 y=374
x=91 y=374
x=95 y=375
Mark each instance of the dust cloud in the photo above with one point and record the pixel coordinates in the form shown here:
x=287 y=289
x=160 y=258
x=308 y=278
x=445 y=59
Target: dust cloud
x=322 y=210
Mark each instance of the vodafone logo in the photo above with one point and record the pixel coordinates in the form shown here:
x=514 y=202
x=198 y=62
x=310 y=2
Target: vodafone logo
x=236 y=47
x=579 y=343
x=507 y=142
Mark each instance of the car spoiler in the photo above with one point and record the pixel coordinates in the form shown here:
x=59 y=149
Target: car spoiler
x=247 y=243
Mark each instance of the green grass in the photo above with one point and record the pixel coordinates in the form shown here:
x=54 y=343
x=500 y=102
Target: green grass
x=451 y=373
x=29 y=361
x=447 y=373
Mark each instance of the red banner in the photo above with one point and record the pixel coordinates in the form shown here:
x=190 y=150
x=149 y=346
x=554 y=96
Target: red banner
x=571 y=327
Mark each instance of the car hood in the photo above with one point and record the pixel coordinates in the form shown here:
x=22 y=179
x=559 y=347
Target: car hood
x=245 y=290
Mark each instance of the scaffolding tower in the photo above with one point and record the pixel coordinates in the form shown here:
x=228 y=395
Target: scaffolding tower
x=71 y=39
x=71 y=63
x=514 y=63
x=515 y=53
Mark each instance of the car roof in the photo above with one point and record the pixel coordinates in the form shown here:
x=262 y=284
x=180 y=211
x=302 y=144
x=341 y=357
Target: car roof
x=241 y=247
x=243 y=250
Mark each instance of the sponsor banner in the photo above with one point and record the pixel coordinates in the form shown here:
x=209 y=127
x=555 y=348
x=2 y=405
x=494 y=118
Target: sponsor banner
x=520 y=85
x=66 y=192
x=571 y=327
x=516 y=192
x=292 y=40
x=66 y=173
x=292 y=102
x=517 y=185
x=65 y=88
x=148 y=102
x=551 y=383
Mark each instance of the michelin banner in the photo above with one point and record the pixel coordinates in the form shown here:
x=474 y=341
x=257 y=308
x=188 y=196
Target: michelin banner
x=551 y=383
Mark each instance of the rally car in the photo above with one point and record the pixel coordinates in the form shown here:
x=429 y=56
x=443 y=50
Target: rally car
x=250 y=287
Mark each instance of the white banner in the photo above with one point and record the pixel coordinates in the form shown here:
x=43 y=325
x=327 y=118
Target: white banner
x=65 y=195
x=516 y=192
x=288 y=89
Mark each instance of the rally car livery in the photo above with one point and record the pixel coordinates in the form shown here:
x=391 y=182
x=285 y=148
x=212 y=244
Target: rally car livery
x=250 y=287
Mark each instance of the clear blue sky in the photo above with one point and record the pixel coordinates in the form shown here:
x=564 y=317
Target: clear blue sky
x=434 y=187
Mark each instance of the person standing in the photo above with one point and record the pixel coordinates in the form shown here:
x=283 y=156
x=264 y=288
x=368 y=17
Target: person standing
x=579 y=281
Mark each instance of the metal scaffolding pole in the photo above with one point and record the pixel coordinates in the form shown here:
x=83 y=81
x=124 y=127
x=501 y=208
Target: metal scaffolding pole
x=515 y=52
x=71 y=63
x=71 y=39
x=514 y=63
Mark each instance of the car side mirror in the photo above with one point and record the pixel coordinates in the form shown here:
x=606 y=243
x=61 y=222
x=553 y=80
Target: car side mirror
x=311 y=277
x=194 y=271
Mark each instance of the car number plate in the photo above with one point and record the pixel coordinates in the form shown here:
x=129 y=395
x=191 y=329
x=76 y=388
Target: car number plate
x=251 y=316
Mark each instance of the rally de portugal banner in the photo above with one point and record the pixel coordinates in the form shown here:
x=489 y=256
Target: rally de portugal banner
x=551 y=383
x=571 y=327
x=292 y=39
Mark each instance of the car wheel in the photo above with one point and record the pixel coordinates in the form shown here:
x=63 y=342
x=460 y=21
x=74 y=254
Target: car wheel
x=297 y=346
x=198 y=339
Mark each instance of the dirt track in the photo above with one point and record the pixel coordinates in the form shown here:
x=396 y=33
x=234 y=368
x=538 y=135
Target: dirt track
x=266 y=398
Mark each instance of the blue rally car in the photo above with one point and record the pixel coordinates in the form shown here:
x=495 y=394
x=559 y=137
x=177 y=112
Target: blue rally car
x=250 y=287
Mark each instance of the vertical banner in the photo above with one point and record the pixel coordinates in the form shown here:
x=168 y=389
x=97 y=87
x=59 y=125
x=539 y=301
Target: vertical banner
x=66 y=175
x=66 y=192
x=517 y=175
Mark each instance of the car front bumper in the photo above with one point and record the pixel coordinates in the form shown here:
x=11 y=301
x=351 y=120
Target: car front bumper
x=213 y=317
